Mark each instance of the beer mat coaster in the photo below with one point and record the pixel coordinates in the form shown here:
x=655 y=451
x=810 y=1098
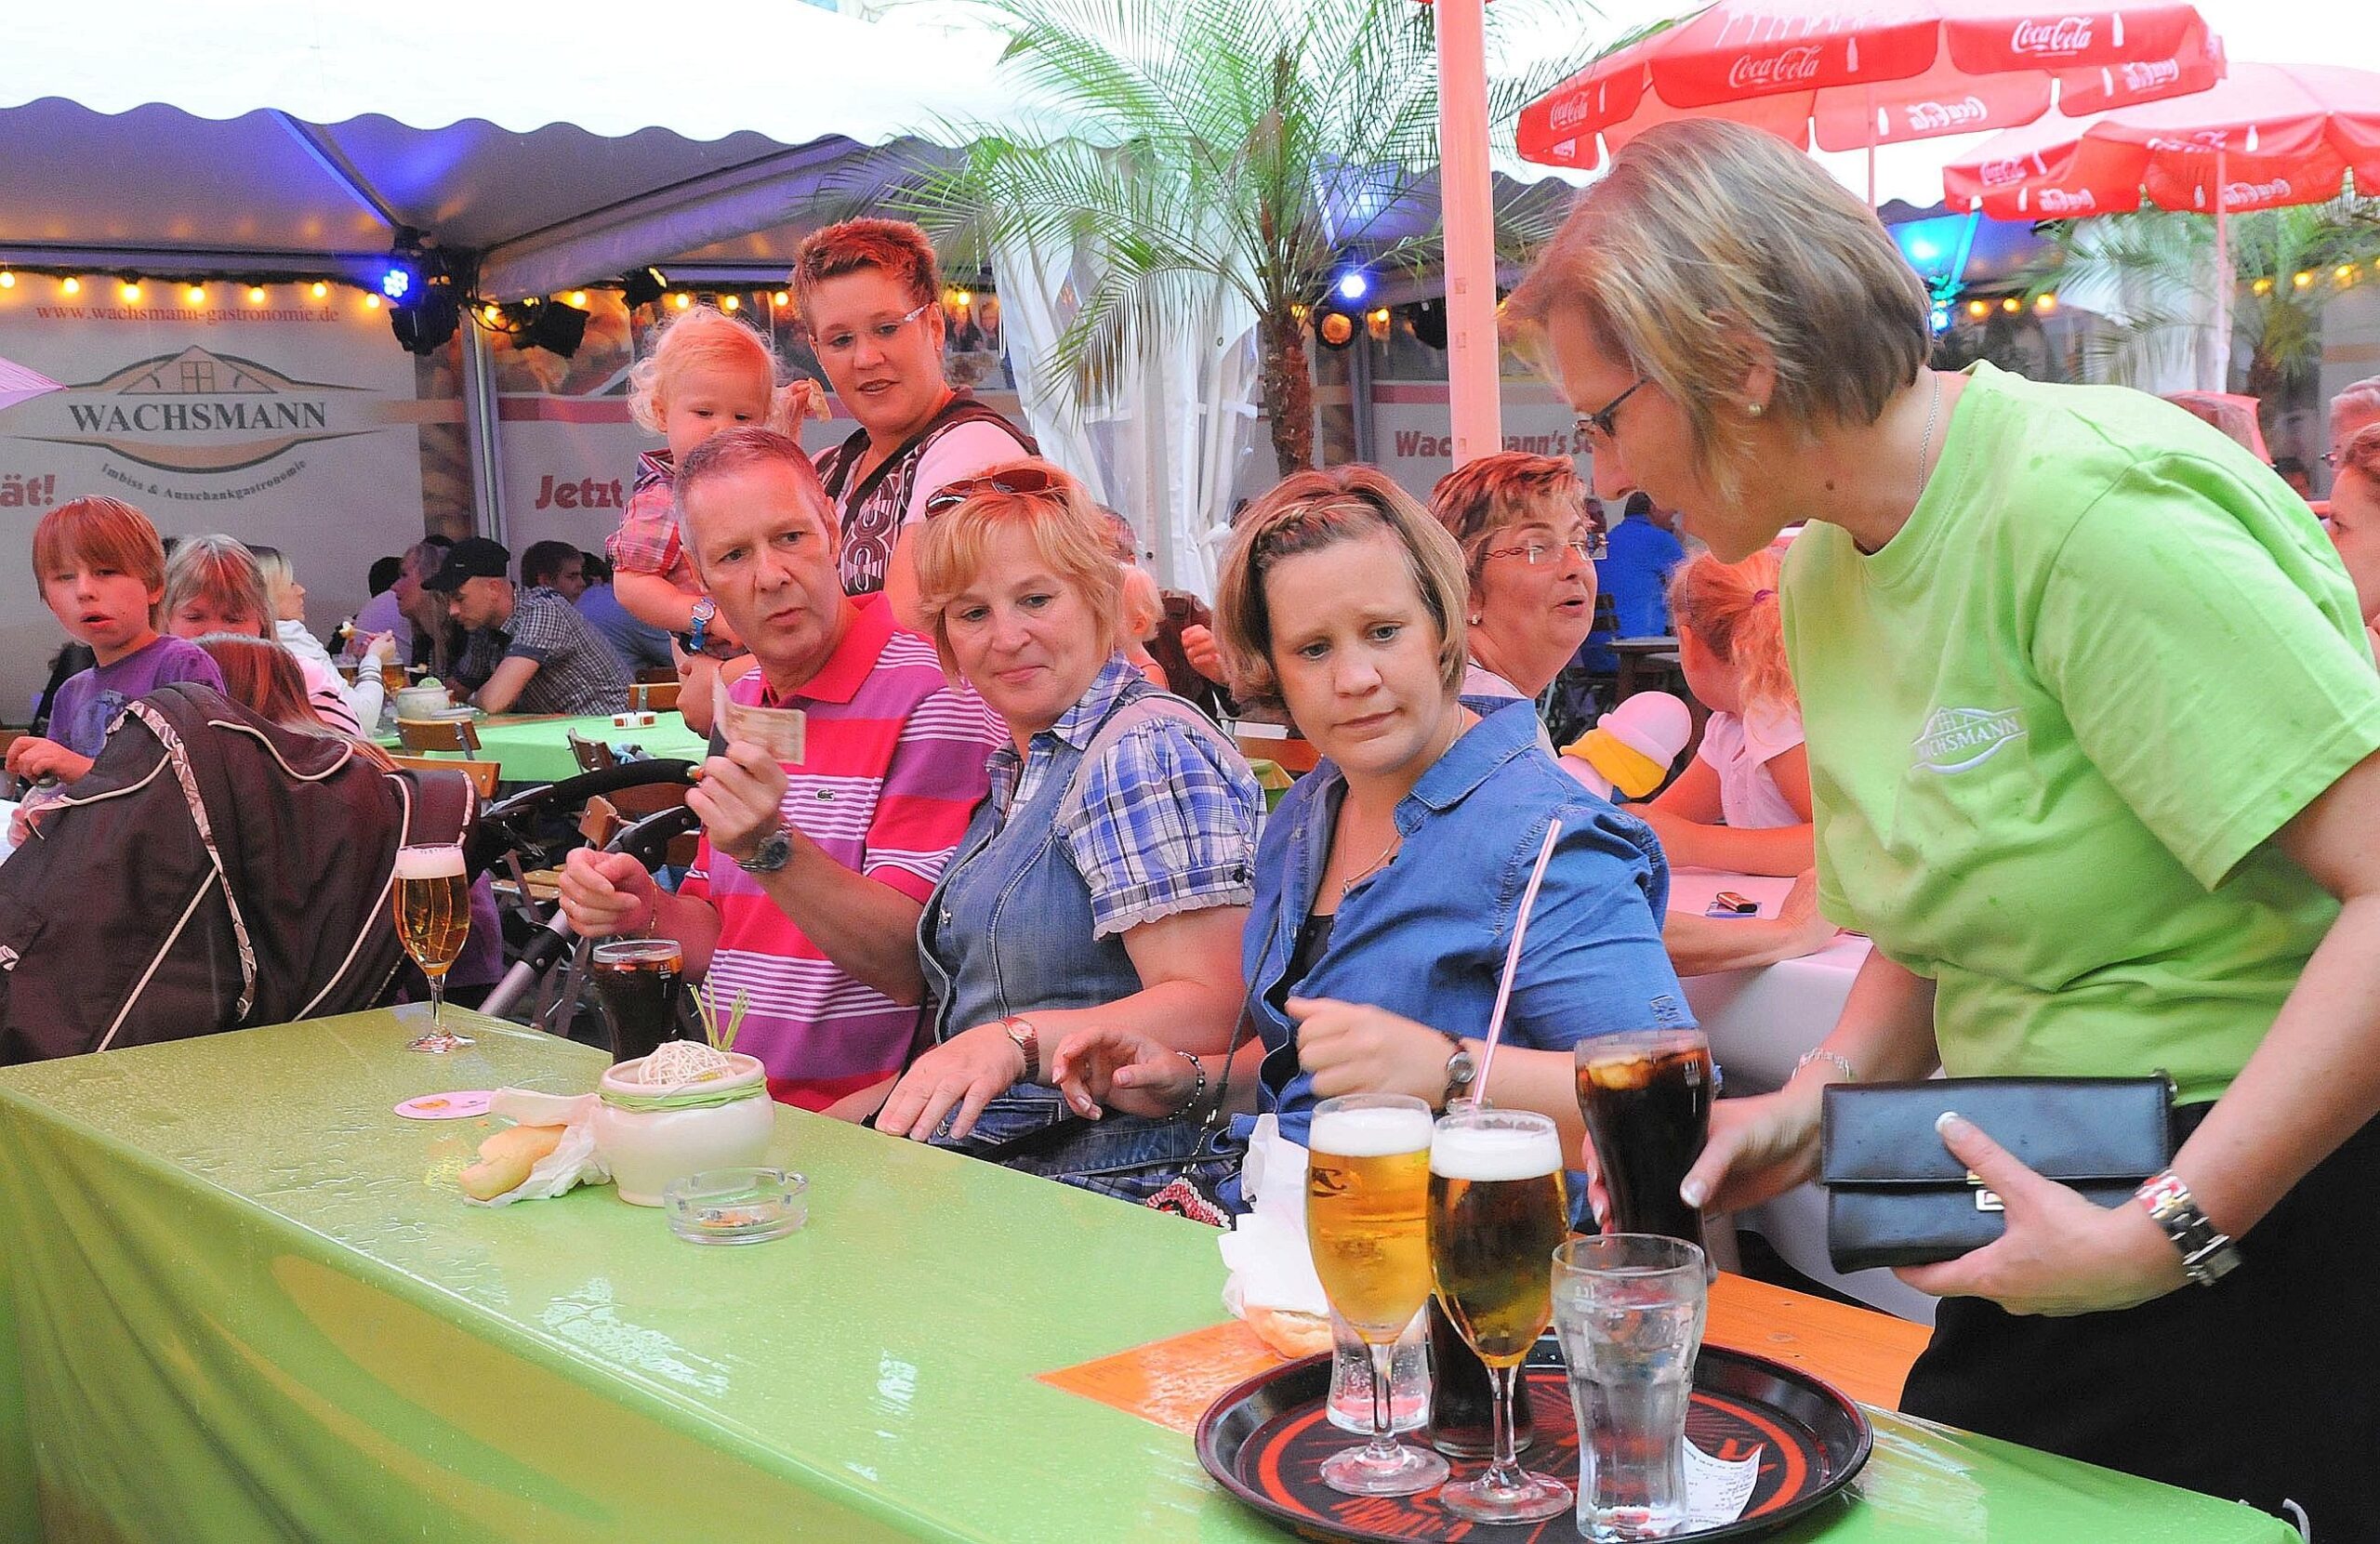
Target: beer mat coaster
x=455 y=1106
x=1171 y=1383
x=1266 y=1439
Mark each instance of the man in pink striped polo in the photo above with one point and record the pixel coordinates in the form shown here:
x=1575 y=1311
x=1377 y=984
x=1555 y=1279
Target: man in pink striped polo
x=806 y=892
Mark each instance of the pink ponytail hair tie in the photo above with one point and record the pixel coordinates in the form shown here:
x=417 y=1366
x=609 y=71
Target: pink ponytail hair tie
x=1760 y=595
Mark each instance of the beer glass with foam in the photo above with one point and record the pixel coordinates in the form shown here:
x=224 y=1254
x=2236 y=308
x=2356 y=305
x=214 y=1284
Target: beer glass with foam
x=1497 y=1211
x=1368 y=1182
x=433 y=902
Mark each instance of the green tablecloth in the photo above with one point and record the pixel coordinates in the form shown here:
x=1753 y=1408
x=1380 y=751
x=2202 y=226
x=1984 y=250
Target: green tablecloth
x=241 y=1299
x=538 y=749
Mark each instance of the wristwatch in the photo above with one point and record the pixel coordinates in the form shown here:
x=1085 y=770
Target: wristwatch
x=775 y=851
x=2207 y=1256
x=1460 y=1070
x=1028 y=1040
x=706 y=609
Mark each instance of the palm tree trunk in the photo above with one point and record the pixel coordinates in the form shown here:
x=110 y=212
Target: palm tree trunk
x=1288 y=389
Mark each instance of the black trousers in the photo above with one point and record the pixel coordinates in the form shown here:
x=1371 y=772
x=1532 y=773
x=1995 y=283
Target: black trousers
x=2263 y=1388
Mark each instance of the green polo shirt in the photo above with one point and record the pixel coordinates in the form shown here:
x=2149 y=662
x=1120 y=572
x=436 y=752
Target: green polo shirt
x=2054 y=722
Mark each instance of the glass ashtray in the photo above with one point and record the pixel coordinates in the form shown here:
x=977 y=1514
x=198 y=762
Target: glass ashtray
x=736 y=1206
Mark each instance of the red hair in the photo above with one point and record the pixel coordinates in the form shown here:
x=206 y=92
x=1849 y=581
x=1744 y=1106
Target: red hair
x=1732 y=608
x=895 y=247
x=100 y=530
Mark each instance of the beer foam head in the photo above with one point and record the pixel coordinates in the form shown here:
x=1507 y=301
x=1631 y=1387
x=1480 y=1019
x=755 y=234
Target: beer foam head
x=1483 y=1152
x=428 y=863
x=1376 y=1132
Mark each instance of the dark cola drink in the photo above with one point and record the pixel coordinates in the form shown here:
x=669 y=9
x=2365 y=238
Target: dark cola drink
x=1462 y=1402
x=1645 y=1097
x=636 y=983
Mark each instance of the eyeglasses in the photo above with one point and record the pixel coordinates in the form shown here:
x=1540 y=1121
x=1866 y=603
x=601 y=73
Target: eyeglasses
x=1600 y=422
x=1591 y=547
x=883 y=331
x=1018 y=480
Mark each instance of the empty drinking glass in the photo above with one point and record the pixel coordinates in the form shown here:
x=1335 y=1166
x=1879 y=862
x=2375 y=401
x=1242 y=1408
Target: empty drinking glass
x=1628 y=1309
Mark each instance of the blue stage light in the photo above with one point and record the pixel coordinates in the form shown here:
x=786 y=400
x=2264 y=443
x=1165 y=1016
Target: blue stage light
x=1354 y=285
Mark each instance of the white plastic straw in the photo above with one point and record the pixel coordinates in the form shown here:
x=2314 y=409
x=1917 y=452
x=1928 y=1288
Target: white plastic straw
x=1513 y=959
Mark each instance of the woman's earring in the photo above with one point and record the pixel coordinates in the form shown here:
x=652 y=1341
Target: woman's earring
x=1755 y=409
x=1474 y=619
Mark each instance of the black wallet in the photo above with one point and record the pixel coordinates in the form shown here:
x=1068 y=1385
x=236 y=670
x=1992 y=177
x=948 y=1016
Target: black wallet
x=1896 y=1196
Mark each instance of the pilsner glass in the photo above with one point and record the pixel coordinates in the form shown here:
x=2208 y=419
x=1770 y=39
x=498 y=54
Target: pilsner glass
x=1496 y=1212
x=1367 y=1180
x=433 y=900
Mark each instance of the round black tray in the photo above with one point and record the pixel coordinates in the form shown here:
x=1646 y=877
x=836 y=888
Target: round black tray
x=1266 y=1439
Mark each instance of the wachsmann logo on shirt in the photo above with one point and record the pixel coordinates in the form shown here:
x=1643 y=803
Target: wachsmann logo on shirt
x=1957 y=738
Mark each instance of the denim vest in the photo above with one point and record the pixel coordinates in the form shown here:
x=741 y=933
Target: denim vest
x=1009 y=930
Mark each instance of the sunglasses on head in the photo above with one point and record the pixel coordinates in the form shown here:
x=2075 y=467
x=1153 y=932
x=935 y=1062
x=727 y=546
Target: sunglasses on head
x=1021 y=481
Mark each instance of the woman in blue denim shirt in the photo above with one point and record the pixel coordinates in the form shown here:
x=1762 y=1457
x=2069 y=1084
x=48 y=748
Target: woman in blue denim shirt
x=1389 y=879
x=1105 y=875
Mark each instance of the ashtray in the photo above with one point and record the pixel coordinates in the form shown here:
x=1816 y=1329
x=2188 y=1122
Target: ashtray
x=736 y=1206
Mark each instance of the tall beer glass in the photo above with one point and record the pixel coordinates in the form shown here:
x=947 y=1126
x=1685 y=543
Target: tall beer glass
x=433 y=900
x=1645 y=1097
x=1367 y=1183
x=1497 y=1214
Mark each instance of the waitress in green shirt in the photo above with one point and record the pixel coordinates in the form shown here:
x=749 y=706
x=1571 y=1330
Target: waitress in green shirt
x=2092 y=721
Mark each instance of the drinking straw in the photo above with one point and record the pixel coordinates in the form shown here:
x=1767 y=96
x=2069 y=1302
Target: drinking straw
x=1513 y=959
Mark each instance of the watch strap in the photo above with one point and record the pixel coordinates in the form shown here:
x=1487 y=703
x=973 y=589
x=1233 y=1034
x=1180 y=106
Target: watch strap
x=1028 y=1040
x=1463 y=1070
x=2208 y=1254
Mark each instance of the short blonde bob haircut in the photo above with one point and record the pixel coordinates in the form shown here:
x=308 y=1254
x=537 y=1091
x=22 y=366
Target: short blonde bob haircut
x=220 y=571
x=1712 y=248
x=1496 y=493
x=697 y=336
x=1071 y=534
x=1306 y=513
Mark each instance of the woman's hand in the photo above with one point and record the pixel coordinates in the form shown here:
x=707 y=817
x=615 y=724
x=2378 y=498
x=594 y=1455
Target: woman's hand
x=1759 y=1148
x=605 y=893
x=32 y=758
x=1357 y=1048
x=1199 y=647
x=1109 y=1067
x=382 y=651
x=962 y=1074
x=2060 y=1255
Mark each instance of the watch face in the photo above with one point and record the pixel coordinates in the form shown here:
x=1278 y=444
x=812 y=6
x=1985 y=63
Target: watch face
x=771 y=855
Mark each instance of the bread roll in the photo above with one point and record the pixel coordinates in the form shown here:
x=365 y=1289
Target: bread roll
x=506 y=1159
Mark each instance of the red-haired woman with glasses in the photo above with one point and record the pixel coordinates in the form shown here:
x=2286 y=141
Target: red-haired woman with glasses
x=1105 y=877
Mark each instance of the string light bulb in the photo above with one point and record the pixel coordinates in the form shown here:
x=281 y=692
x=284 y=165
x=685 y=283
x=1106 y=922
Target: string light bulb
x=491 y=314
x=683 y=299
x=320 y=289
x=1978 y=309
x=2304 y=279
x=578 y=299
x=2045 y=305
x=2344 y=273
x=131 y=291
x=781 y=298
x=71 y=286
x=7 y=280
x=2263 y=286
x=256 y=295
x=371 y=302
x=195 y=295
x=730 y=302
x=2012 y=305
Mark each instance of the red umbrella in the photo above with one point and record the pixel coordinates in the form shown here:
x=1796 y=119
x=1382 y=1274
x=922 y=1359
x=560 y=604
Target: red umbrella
x=1858 y=73
x=2270 y=136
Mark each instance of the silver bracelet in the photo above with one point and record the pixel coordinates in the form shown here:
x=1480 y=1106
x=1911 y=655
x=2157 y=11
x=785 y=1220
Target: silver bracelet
x=1850 y=1072
x=1197 y=1092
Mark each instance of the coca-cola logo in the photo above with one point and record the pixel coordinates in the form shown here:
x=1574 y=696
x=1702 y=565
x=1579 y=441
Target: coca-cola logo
x=1764 y=72
x=2239 y=195
x=2068 y=34
x=1569 y=111
x=2057 y=201
x=2000 y=174
x=2148 y=77
x=1934 y=117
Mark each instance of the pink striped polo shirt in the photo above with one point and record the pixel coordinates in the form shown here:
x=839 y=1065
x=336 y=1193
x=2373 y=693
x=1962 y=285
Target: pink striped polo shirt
x=896 y=759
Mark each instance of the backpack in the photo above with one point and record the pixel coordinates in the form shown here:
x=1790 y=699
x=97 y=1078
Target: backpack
x=211 y=871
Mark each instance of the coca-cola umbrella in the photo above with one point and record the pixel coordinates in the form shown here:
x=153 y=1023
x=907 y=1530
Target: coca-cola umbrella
x=1853 y=74
x=2270 y=135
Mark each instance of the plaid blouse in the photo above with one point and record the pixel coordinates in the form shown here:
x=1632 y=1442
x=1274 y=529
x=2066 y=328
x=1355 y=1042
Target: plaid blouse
x=647 y=541
x=1169 y=818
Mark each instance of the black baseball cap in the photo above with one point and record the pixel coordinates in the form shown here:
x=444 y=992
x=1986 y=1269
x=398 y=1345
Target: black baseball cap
x=472 y=557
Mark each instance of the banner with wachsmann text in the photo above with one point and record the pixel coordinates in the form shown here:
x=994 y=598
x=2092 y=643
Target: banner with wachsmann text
x=275 y=415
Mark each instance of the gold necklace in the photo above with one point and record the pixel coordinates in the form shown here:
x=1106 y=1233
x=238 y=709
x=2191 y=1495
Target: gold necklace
x=1395 y=839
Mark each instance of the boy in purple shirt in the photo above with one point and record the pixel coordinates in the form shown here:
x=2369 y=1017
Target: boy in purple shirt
x=102 y=574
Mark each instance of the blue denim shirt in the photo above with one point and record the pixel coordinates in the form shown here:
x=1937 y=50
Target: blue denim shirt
x=1425 y=937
